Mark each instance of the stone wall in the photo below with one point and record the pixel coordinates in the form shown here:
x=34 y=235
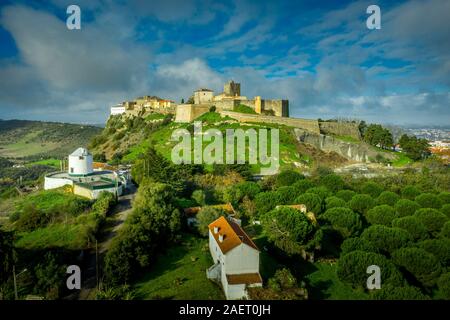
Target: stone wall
x=340 y=129
x=279 y=107
x=360 y=152
x=307 y=124
x=188 y=112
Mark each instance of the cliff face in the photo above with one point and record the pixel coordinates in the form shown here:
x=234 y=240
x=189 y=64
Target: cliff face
x=360 y=152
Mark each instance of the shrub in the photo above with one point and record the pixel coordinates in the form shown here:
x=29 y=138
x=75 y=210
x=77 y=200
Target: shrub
x=345 y=195
x=361 y=203
x=205 y=216
x=432 y=219
x=333 y=202
x=372 y=189
x=414 y=227
x=410 y=192
x=312 y=201
x=199 y=196
x=429 y=200
x=390 y=292
x=386 y=239
x=406 y=207
x=343 y=220
x=422 y=265
x=388 y=197
x=382 y=214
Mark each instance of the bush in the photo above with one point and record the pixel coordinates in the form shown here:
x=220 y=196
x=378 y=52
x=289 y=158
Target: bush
x=429 y=200
x=333 y=202
x=382 y=214
x=422 y=265
x=343 y=220
x=372 y=189
x=406 y=207
x=353 y=244
x=388 y=197
x=200 y=197
x=432 y=219
x=414 y=227
x=386 y=239
x=31 y=219
x=361 y=203
x=288 y=178
x=410 y=192
x=332 y=182
x=312 y=201
x=345 y=195
x=352 y=267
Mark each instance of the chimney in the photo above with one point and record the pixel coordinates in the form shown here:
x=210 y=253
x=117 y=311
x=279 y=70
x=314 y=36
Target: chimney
x=221 y=237
x=216 y=229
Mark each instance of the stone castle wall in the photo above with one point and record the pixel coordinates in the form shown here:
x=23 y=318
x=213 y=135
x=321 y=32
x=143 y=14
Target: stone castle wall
x=189 y=112
x=340 y=129
x=306 y=124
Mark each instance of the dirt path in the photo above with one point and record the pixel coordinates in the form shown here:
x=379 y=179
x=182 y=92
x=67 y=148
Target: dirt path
x=119 y=215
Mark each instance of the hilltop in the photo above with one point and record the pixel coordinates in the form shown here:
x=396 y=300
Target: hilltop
x=33 y=140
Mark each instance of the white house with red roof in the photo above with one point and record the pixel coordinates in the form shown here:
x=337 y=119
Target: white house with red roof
x=236 y=258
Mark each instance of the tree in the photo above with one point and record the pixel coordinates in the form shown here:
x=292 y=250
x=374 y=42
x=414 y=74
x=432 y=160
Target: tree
x=332 y=182
x=199 y=197
x=445 y=232
x=382 y=214
x=432 y=219
x=440 y=248
x=345 y=195
x=237 y=192
x=386 y=239
x=286 y=194
x=422 y=265
x=372 y=189
x=333 y=202
x=182 y=100
x=388 y=197
x=312 y=201
x=377 y=135
x=282 y=286
x=446 y=210
x=414 y=227
x=410 y=192
x=352 y=267
x=266 y=201
x=362 y=127
x=288 y=229
x=406 y=207
x=343 y=220
x=353 y=244
x=444 y=285
x=390 y=292
x=445 y=197
x=414 y=147
x=48 y=275
x=322 y=192
x=205 y=216
x=361 y=203
x=302 y=185
x=429 y=200
x=7 y=255
x=288 y=178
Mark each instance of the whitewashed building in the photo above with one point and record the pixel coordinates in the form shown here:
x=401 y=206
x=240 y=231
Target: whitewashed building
x=236 y=259
x=117 y=109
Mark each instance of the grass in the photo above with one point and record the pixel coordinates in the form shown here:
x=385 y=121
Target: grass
x=67 y=236
x=46 y=162
x=155 y=116
x=402 y=160
x=180 y=273
x=242 y=108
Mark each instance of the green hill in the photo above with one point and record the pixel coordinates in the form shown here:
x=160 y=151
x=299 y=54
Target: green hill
x=33 y=140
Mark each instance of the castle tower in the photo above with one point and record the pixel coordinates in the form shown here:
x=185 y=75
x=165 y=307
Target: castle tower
x=258 y=108
x=232 y=89
x=80 y=163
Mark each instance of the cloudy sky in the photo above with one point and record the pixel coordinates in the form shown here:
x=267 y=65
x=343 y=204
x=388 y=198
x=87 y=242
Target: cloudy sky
x=318 y=54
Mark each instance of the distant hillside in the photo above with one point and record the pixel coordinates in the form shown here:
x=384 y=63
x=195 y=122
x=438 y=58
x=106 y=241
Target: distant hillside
x=35 y=139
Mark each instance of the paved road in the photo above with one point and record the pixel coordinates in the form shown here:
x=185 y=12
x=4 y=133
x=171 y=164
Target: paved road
x=119 y=215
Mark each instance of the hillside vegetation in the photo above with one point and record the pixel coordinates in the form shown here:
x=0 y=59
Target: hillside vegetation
x=34 y=140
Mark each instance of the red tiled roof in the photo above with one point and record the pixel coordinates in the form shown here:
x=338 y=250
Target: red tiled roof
x=245 y=278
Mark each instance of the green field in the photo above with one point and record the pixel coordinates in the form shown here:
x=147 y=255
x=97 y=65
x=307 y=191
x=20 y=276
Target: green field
x=180 y=273
x=46 y=162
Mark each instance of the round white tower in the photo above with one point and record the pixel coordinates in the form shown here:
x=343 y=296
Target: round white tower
x=80 y=162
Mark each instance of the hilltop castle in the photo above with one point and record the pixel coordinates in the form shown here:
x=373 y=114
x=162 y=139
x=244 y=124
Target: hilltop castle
x=203 y=99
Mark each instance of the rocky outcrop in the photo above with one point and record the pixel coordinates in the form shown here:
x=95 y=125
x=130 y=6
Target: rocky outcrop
x=360 y=152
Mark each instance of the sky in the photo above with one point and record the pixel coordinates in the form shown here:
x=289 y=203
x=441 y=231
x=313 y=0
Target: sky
x=318 y=54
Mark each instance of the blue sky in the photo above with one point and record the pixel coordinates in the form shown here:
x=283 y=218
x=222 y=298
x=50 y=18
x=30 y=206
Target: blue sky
x=317 y=54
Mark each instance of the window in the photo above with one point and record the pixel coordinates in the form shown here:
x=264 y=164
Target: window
x=80 y=158
x=71 y=170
